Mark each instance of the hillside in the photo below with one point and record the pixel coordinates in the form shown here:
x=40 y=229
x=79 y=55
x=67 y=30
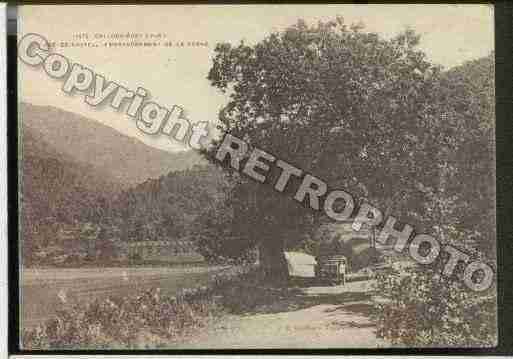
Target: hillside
x=168 y=207
x=123 y=159
x=72 y=169
x=52 y=185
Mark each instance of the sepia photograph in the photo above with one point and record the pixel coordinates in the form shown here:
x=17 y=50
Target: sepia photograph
x=263 y=176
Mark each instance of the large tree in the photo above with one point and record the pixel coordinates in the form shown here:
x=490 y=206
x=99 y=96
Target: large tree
x=360 y=112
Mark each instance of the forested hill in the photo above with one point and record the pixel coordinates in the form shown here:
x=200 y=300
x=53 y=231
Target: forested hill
x=53 y=186
x=68 y=163
x=167 y=208
x=72 y=169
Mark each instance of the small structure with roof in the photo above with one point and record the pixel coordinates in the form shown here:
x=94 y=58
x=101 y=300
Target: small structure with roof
x=300 y=265
x=162 y=251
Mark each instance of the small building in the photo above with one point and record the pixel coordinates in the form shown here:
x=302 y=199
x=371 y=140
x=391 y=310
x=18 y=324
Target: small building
x=162 y=251
x=300 y=265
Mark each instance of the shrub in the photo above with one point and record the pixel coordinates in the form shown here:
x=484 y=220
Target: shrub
x=423 y=309
x=146 y=320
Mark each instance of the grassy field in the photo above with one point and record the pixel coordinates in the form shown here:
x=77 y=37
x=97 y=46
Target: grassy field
x=44 y=290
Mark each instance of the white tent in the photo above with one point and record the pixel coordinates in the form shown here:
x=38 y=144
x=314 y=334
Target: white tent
x=300 y=264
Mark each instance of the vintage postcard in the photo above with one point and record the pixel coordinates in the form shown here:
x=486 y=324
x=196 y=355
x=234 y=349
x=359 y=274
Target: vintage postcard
x=256 y=176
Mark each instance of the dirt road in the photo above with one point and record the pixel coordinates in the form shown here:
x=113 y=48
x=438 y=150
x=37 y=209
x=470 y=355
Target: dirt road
x=320 y=317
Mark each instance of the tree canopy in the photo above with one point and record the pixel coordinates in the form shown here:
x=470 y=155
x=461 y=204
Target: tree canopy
x=361 y=112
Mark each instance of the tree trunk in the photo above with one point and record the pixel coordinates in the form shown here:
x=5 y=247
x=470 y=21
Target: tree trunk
x=272 y=261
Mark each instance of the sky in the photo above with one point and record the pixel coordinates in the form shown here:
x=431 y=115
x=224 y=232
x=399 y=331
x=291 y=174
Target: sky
x=451 y=35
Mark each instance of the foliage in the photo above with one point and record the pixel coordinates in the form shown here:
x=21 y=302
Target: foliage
x=362 y=113
x=132 y=322
x=167 y=206
x=463 y=205
x=345 y=105
x=163 y=209
x=146 y=320
x=424 y=309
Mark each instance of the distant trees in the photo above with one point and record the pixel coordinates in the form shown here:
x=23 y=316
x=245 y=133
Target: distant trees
x=164 y=209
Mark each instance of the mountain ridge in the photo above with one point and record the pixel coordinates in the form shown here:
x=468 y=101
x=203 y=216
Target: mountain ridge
x=127 y=160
